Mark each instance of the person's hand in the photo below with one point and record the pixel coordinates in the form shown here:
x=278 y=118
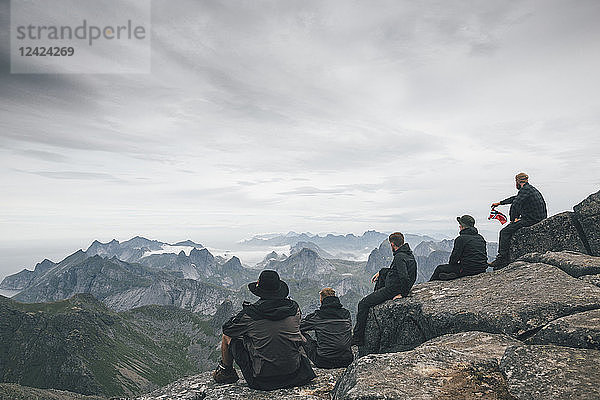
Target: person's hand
x=375 y=277
x=495 y=204
x=517 y=219
x=398 y=296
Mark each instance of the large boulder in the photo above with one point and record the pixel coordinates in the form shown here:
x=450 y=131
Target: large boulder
x=517 y=300
x=203 y=387
x=464 y=365
x=588 y=216
x=556 y=233
x=552 y=372
x=573 y=263
x=581 y=330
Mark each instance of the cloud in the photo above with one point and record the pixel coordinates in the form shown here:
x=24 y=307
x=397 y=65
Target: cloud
x=75 y=175
x=319 y=116
x=43 y=155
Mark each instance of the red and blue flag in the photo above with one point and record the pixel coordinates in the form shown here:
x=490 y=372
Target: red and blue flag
x=495 y=214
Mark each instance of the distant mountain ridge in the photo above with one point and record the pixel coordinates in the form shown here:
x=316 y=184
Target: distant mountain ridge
x=122 y=285
x=339 y=246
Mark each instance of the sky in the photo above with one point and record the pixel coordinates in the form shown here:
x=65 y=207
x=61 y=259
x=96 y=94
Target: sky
x=320 y=116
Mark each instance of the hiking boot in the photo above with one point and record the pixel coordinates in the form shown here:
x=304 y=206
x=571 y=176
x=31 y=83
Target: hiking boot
x=498 y=263
x=225 y=374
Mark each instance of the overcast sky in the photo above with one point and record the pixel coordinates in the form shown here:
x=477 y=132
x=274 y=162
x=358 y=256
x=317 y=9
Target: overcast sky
x=321 y=116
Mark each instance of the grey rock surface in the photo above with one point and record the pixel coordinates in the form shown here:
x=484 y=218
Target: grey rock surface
x=588 y=215
x=464 y=365
x=581 y=330
x=203 y=387
x=592 y=279
x=552 y=372
x=12 y=391
x=556 y=233
x=573 y=263
x=22 y=279
x=517 y=300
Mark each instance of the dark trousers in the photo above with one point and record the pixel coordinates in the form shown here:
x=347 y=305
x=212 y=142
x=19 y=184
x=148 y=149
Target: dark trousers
x=310 y=347
x=377 y=297
x=303 y=375
x=506 y=235
x=450 y=271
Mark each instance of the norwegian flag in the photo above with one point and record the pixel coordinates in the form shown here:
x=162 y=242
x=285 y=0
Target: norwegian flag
x=495 y=214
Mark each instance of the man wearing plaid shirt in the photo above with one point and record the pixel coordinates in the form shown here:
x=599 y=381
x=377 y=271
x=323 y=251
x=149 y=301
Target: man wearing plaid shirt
x=527 y=208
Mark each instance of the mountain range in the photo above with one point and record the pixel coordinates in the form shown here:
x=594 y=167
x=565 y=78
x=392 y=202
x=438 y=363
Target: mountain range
x=339 y=246
x=175 y=296
x=83 y=346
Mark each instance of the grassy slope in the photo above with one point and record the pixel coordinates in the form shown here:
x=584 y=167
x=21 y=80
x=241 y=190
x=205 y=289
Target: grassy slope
x=81 y=346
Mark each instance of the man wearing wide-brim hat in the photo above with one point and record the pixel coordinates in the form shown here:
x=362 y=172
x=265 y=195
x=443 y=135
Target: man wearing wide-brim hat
x=264 y=339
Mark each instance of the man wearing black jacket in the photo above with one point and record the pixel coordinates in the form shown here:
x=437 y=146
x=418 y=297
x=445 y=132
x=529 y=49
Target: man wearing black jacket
x=265 y=341
x=527 y=208
x=469 y=255
x=333 y=330
x=393 y=282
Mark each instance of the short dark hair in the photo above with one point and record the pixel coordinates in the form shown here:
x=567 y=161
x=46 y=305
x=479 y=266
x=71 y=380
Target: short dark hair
x=397 y=238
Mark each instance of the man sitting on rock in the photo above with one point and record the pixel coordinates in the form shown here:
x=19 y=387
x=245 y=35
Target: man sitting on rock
x=391 y=283
x=527 y=208
x=333 y=330
x=264 y=339
x=469 y=255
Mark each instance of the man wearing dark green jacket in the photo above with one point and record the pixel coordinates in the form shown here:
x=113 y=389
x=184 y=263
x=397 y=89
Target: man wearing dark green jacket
x=264 y=339
x=469 y=255
x=393 y=282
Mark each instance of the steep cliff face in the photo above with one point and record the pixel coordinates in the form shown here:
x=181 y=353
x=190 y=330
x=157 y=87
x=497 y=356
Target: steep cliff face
x=122 y=285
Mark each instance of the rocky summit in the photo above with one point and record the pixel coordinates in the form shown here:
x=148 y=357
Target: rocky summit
x=203 y=387
x=517 y=300
x=455 y=366
x=577 y=230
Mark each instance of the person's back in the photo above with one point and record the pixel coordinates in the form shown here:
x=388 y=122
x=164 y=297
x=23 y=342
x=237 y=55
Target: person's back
x=333 y=330
x=470 y=252
x=402 y=274
x=272 y=336
x=391 y=283
x=529 y=205
x=264 y=339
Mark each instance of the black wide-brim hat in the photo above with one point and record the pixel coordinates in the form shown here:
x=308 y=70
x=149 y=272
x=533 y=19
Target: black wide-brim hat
x=269 y=286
